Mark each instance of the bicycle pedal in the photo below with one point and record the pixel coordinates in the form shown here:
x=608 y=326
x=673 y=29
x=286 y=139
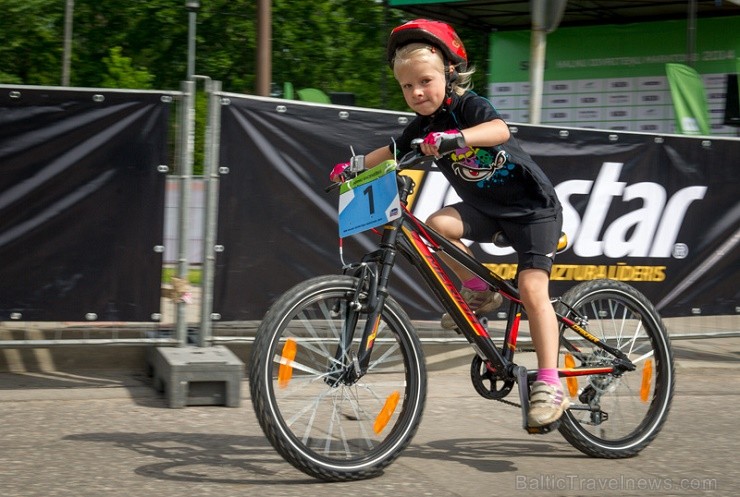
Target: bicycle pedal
x=543 y=430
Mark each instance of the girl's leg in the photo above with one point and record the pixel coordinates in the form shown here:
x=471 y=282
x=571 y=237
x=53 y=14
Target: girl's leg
x=547 y=400
x=476 y=292
x=543 y=326
x=448 y=223
x=535 y=244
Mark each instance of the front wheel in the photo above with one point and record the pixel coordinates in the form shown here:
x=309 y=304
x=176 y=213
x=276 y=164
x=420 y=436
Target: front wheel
x=315 y=412
x=615 y=416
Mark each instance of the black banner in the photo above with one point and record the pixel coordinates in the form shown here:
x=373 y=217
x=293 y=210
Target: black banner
x=276 y=222
x=81 y=204
x=661 y=213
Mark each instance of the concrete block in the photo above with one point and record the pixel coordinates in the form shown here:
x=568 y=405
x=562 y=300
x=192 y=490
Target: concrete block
x=198 y=375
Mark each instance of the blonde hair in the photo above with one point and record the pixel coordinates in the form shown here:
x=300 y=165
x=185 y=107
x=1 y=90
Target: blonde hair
x=424 y=51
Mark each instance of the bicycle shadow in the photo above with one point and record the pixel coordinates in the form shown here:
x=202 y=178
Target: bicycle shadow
x=251 y=460
x=204 y=458
x=489 y=456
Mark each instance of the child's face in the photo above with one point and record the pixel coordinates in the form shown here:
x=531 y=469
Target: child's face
x=423 y=83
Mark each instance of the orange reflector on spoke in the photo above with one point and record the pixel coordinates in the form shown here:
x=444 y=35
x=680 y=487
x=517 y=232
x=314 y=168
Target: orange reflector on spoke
x=381 y=420
x=285 y=373
x=647 y=376
x=571 y=381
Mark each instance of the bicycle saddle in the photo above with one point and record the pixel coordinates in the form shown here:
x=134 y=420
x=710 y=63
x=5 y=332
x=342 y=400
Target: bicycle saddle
x=502 y=241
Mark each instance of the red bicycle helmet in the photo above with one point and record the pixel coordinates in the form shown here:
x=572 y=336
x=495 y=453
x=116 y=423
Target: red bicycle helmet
x=436 y=33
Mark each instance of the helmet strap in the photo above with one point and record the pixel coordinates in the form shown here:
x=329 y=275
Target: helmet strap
x=450 y=78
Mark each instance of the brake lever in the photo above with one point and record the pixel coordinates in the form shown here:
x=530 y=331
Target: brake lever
x=331 y=187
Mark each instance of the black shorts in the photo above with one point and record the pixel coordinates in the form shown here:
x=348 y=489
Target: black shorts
x=535 y=242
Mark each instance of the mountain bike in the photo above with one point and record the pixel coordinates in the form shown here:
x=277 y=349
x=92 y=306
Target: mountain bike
x=337 y=373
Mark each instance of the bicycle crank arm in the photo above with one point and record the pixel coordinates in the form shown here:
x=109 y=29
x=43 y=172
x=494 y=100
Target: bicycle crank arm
x=520 y=373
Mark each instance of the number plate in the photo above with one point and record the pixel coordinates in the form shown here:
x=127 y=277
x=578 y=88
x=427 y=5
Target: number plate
x=369 y=200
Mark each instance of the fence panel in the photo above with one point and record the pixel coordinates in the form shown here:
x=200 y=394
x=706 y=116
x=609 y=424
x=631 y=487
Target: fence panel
x=81 y=203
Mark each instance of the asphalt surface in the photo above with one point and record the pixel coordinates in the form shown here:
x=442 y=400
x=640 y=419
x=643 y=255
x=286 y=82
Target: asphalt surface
x=109 y=433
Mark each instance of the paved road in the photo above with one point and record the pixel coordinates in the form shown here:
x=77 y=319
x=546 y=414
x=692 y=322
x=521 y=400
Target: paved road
x=112 y=435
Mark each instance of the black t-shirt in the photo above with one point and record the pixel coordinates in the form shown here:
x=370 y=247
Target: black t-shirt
x=502 y=181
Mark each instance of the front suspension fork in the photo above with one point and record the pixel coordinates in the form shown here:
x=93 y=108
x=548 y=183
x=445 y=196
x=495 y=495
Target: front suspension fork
x=368 y=300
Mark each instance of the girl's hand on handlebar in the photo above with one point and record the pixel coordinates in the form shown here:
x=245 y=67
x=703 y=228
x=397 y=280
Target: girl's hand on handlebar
x=337 y=174
x=422 y=150
x=437 y=143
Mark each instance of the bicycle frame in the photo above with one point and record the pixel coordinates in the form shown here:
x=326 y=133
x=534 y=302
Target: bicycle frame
x=416 y=241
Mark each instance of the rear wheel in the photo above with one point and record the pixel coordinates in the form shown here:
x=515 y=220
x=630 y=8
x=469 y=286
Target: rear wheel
x=319 y=418
x=615 y=416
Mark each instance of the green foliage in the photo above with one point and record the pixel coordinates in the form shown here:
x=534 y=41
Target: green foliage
x=120 y=73
x=31 y=34
x=152 y=33
x=201 y=116
x=332 y=45
x=336 y=45
x=476 y=44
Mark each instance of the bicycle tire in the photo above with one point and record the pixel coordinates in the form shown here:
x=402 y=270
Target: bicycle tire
x=327 y=429
x=633 y=407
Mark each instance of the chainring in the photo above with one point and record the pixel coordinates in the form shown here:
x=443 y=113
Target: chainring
x=486 y=382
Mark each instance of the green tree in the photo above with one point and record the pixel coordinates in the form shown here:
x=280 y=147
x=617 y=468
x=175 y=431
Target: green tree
x=333 y=45
x=31 y=41
x=121 y=74
x=153 y=34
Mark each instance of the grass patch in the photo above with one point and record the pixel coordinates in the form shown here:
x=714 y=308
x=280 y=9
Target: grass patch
x=195 y=275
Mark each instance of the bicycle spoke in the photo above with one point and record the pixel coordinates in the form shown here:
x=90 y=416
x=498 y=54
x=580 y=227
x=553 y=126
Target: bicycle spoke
x=279 y=359
x=644 y=356
x=383 y=358
x=354 y=403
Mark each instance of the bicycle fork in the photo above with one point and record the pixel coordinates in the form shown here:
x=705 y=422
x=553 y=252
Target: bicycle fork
x=369 y=299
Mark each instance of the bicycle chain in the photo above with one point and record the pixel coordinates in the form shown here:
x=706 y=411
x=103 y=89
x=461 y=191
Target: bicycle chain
x=509 y=403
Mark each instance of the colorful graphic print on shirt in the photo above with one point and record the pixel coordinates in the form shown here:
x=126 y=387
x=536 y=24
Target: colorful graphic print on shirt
x=481 y=166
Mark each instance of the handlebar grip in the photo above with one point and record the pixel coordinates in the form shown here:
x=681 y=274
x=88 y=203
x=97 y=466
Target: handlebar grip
x=447 y=144
x=451 y=143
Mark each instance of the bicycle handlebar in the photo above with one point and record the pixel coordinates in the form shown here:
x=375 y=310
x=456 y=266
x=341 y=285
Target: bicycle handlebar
x=414 y=158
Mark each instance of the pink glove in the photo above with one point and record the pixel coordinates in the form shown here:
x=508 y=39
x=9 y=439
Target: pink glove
x=445 y=141
x=337 y=174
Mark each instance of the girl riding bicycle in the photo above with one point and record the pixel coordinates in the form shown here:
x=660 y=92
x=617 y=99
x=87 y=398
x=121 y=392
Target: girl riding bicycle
x=501 y=187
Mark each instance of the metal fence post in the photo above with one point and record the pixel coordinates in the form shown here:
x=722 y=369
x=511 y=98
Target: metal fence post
x=187 y=147
x=210 y=216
